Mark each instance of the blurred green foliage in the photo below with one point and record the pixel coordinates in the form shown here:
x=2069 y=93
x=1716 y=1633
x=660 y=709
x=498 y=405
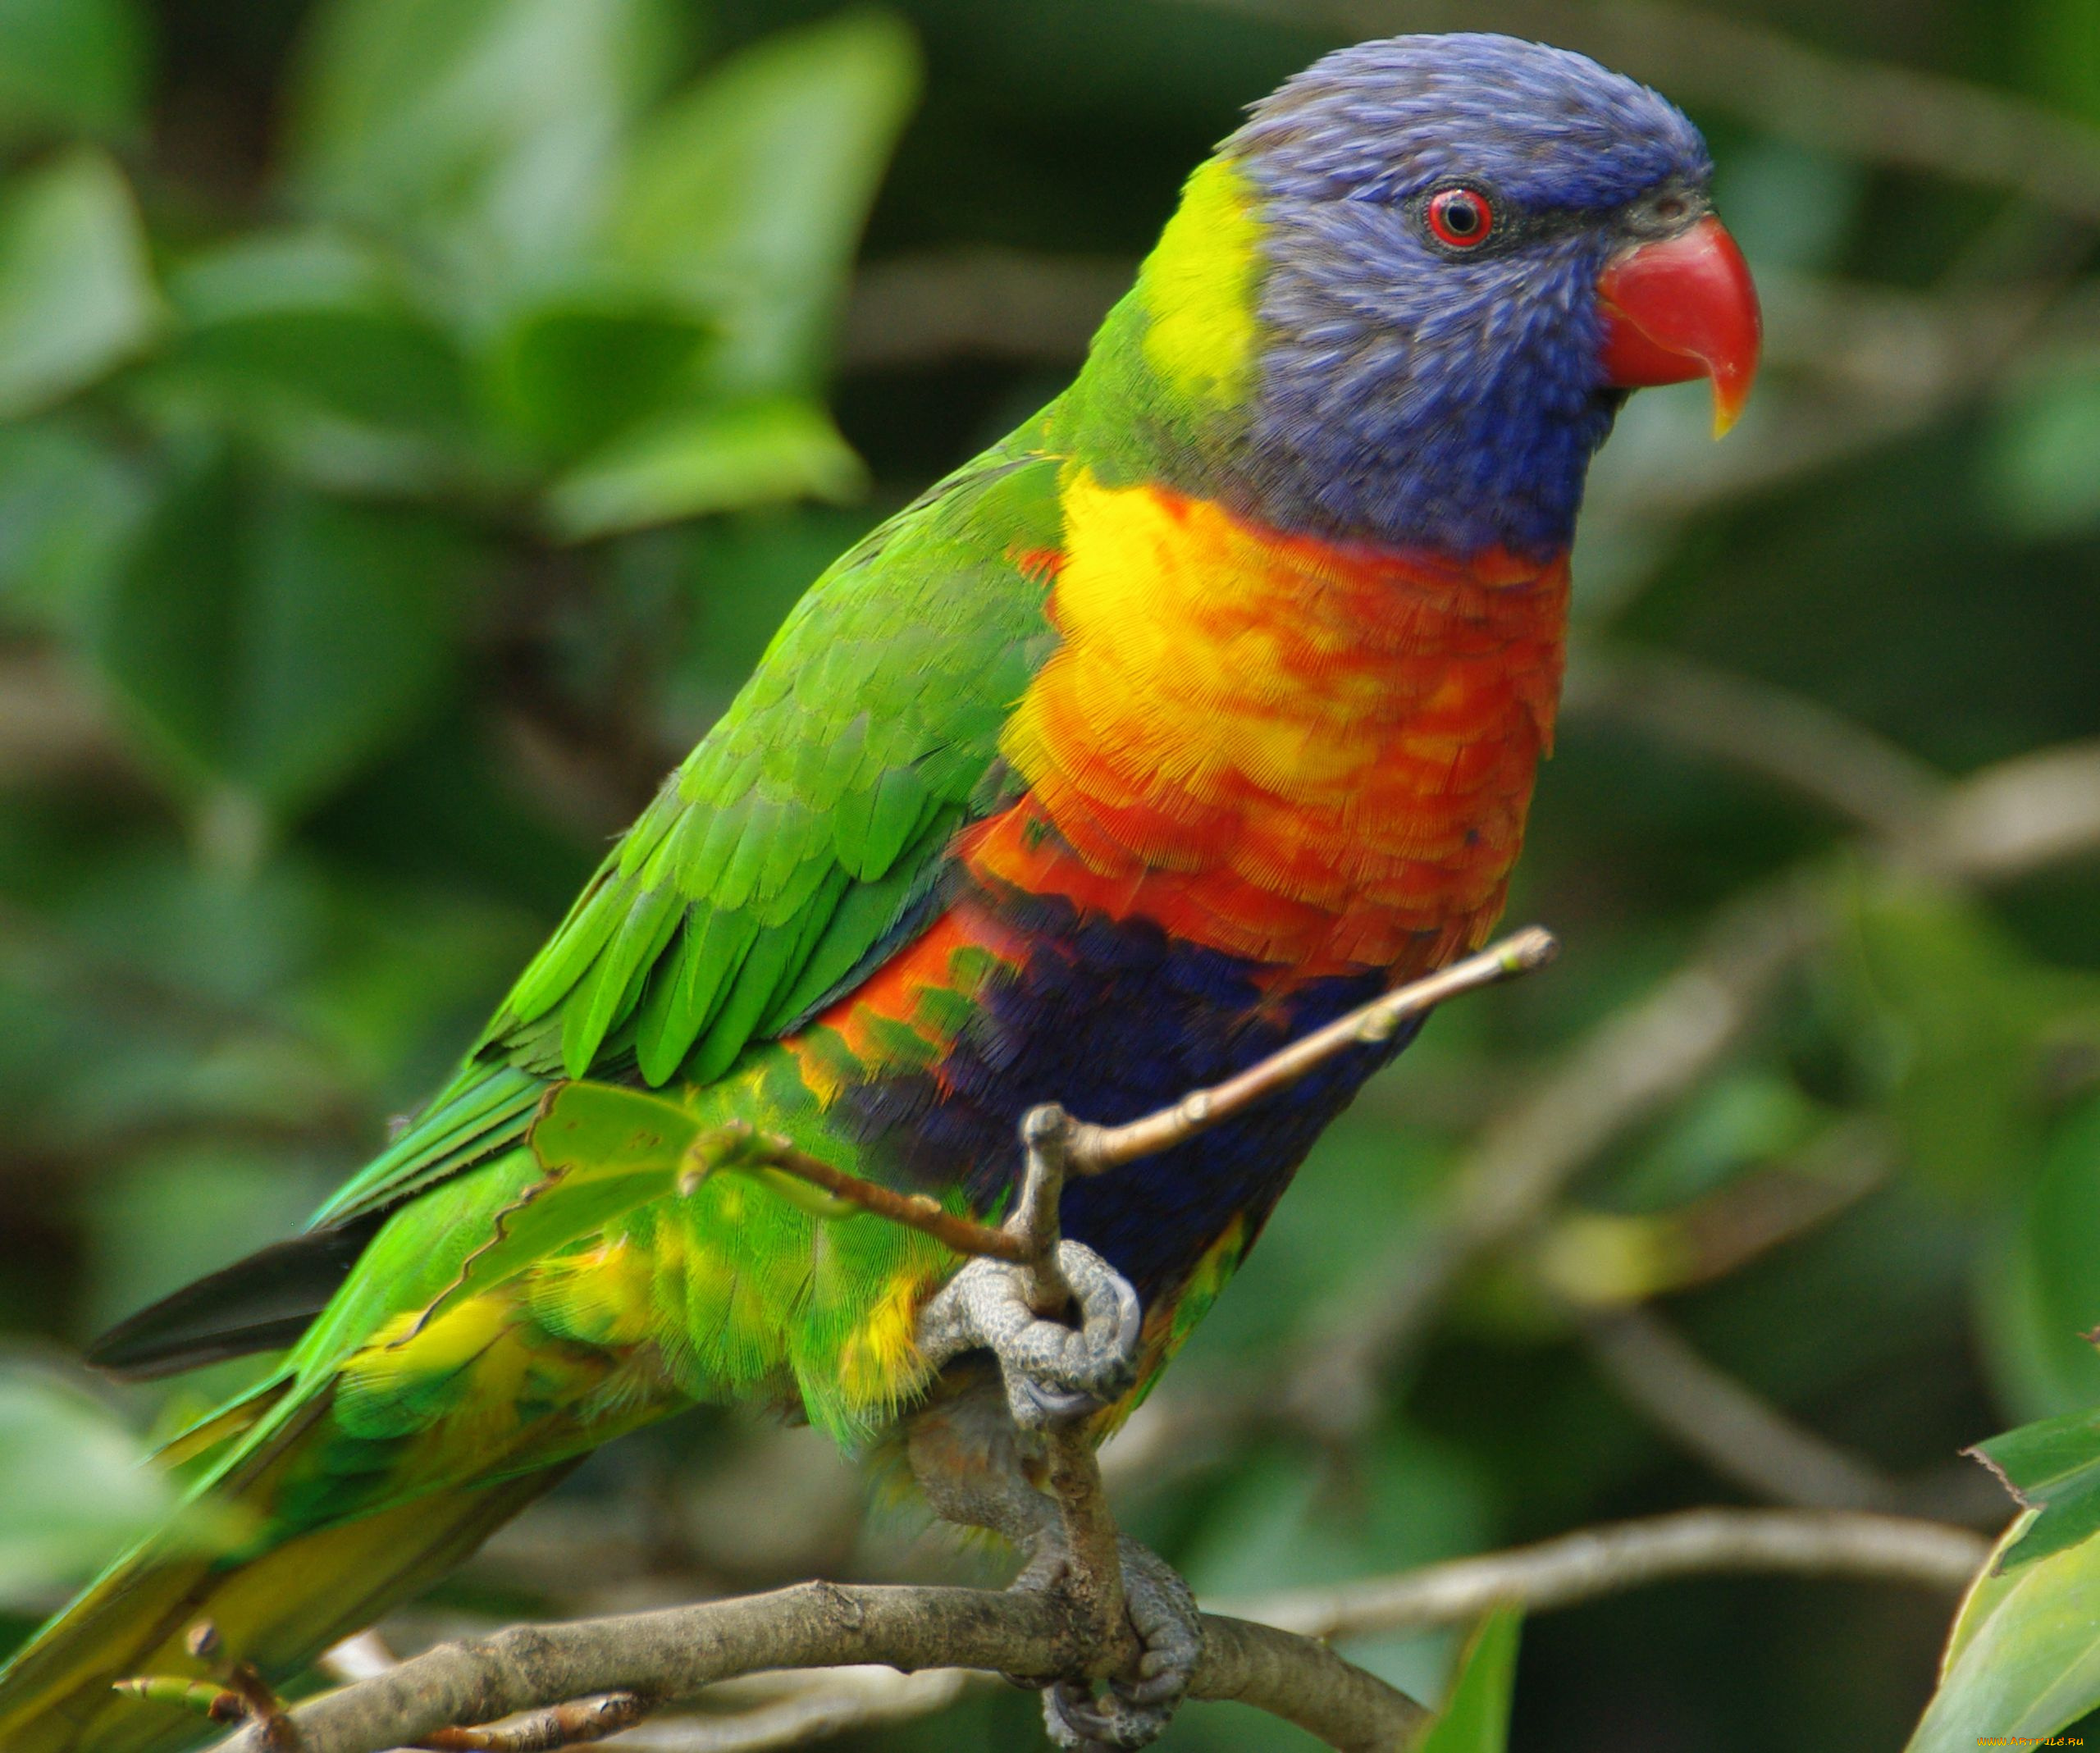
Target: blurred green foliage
x=415 y=415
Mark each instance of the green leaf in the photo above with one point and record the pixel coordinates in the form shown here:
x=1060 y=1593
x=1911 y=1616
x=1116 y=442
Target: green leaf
x=76 y=296
x=78 y=1486
x=269 y=640
x=68 y=505
x=319 y=324
x=1751 y=1116
x=71 y=66
x=2024 y=1659
x=2053 y=1468
x=709 y=460
x=491 y=129
x=570 y=375
x=1965 y=1018
x=1475 y=1716
x=746 y=198
x=607 y=1148
x=603 y=1130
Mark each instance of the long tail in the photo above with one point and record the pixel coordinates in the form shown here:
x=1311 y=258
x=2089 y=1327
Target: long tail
x=278 y=1609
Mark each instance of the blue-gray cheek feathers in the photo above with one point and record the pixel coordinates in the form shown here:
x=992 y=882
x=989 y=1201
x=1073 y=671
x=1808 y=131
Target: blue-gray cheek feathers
x=1412 y=396
x=1444 y=405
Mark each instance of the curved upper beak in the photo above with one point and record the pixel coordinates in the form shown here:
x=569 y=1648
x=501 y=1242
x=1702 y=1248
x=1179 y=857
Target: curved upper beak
x=1681 y=307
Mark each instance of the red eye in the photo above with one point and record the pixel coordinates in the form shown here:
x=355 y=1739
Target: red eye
x=1459 y=218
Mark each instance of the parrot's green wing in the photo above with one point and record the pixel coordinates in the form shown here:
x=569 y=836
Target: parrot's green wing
x=799 y=845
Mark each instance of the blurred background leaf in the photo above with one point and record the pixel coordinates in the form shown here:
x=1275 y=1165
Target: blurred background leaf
x=78 y=1486
x=269 y=640
x=72 y=66
x=75 y=298
x=747 y=196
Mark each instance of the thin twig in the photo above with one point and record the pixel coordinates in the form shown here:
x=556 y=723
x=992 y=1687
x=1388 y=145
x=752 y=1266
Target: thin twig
x=1741 y=1435
x=51 y=727
x=1085 y=1149
x=1092 y=1581
x=2019 y=816
x=1631 y=1066
x=839 y=1702
x=2005 y=822
x=1602 y=1260
x=1773 y=733
x=738 y=1144
x=574 y=1724
x=1608 y=1560
x=1095 y=1149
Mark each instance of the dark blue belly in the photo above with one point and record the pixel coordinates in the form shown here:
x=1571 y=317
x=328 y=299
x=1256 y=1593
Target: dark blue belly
x=1116 y=1020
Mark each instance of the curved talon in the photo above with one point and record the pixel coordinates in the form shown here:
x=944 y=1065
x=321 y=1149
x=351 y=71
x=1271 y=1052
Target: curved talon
x=1134 y=1712
x=1054 y=1373
x=1049 y=1405
x=1075 y=1722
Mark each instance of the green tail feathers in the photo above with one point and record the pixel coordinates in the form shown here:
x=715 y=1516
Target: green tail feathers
x=278 y=1608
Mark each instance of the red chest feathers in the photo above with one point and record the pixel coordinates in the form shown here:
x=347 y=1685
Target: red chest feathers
x=1307 y=754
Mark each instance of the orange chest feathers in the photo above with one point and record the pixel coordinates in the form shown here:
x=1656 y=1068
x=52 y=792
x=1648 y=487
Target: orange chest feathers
x=1303 y=754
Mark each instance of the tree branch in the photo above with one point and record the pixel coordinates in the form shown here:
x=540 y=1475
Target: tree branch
x=50 y=726
x=585 y=1678
x=1631 y=1066
x=678 y=1652
x=1257 y=1657
x=2019 y=816
x=1608 y=1560
x=1771 y=732
x=1600 y=1261
x=811 y=1706
x=1095 y=1149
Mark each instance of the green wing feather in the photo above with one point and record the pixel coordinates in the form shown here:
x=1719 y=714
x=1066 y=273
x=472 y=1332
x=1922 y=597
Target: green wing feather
x=798 y=846
x=802 y=843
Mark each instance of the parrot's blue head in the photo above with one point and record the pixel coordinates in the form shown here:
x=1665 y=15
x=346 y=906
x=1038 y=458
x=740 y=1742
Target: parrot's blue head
x=1469 y=249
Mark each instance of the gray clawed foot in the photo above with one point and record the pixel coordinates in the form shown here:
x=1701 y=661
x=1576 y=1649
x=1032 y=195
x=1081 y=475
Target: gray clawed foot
x=1052 y=1373
x=1135 y=1712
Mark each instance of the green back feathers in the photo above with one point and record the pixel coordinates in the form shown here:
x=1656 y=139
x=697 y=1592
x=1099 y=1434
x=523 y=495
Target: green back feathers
x=796 y=838
x=799 y=844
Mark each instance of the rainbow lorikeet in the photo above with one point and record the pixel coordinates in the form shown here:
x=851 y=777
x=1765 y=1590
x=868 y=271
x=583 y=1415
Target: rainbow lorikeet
x=1201 y=709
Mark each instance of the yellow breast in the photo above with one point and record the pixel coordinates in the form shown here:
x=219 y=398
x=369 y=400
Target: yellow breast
x=1304 y=752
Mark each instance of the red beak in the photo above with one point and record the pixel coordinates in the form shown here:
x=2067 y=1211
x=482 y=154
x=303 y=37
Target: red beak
x=1681 y=307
